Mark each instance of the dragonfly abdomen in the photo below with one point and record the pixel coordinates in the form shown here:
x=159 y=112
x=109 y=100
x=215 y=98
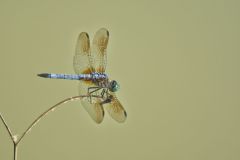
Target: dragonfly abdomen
x=64 y=76
x=93 y=76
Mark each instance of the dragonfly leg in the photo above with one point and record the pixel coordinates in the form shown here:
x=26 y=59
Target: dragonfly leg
x=107 y=94
x=103 y=92
x=94 y=89
x=107 y=98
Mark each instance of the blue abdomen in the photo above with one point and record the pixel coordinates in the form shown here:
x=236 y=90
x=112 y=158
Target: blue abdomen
x=93 y=76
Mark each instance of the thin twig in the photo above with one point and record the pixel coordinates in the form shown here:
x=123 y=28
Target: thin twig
x=15 y=151
x=48 y=110
x=8 y=129
x=16 y=140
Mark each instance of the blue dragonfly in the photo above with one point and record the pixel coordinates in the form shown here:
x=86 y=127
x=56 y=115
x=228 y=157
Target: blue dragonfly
x=89 y=64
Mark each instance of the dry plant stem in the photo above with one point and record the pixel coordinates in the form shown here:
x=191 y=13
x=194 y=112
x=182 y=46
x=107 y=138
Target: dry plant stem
x=16 y=140
x=47 y=111
x=12 y=137
x=6 y=126
x=15 y=151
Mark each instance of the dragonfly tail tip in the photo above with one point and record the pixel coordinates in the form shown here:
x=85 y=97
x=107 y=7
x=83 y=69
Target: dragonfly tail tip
x=44 y=75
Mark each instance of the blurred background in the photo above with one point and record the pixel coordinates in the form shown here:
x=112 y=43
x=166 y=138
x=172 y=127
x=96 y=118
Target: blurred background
x=177 y=63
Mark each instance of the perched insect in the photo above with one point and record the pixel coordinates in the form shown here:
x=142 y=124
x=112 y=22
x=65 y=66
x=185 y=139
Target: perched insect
x=89 y=65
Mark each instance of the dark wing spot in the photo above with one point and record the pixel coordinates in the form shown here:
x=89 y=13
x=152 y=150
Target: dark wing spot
x=125 y=113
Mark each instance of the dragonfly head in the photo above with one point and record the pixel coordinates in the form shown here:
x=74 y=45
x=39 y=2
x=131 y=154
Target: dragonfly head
x=114 y=86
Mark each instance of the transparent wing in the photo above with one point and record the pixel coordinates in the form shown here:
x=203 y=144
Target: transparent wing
x=94 y=109
x=99 y=48
x=82 y=64
x=115 y=109
x=82 y=57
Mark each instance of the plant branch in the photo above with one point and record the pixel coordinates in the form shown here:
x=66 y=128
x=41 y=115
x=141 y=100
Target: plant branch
x=8 y=129
x=17 y=140
x=15 y=151
x=51 y=109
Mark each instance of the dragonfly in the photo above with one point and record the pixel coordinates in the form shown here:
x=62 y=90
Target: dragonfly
x=89 y=64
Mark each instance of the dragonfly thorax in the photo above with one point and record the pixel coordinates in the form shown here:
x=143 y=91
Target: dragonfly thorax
x=112 y=85
x=98 y=76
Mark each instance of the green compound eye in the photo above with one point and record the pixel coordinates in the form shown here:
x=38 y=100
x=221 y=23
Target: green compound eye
x=114 y=86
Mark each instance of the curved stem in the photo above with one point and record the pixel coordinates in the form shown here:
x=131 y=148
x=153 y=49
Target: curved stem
x=12 y=137
x=16 y=140
x=8 y=129
x=46 y=112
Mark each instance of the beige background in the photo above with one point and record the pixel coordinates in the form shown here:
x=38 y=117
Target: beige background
x=177 y=63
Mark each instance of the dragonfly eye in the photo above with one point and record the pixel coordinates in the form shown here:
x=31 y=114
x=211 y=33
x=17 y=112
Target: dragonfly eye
x=114 y=86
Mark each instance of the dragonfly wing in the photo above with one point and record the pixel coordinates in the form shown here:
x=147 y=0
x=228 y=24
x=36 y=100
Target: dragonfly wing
x=94 y=109
x=82 y=64
x=115 y=109
x=99 y=48
x=82 y=57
